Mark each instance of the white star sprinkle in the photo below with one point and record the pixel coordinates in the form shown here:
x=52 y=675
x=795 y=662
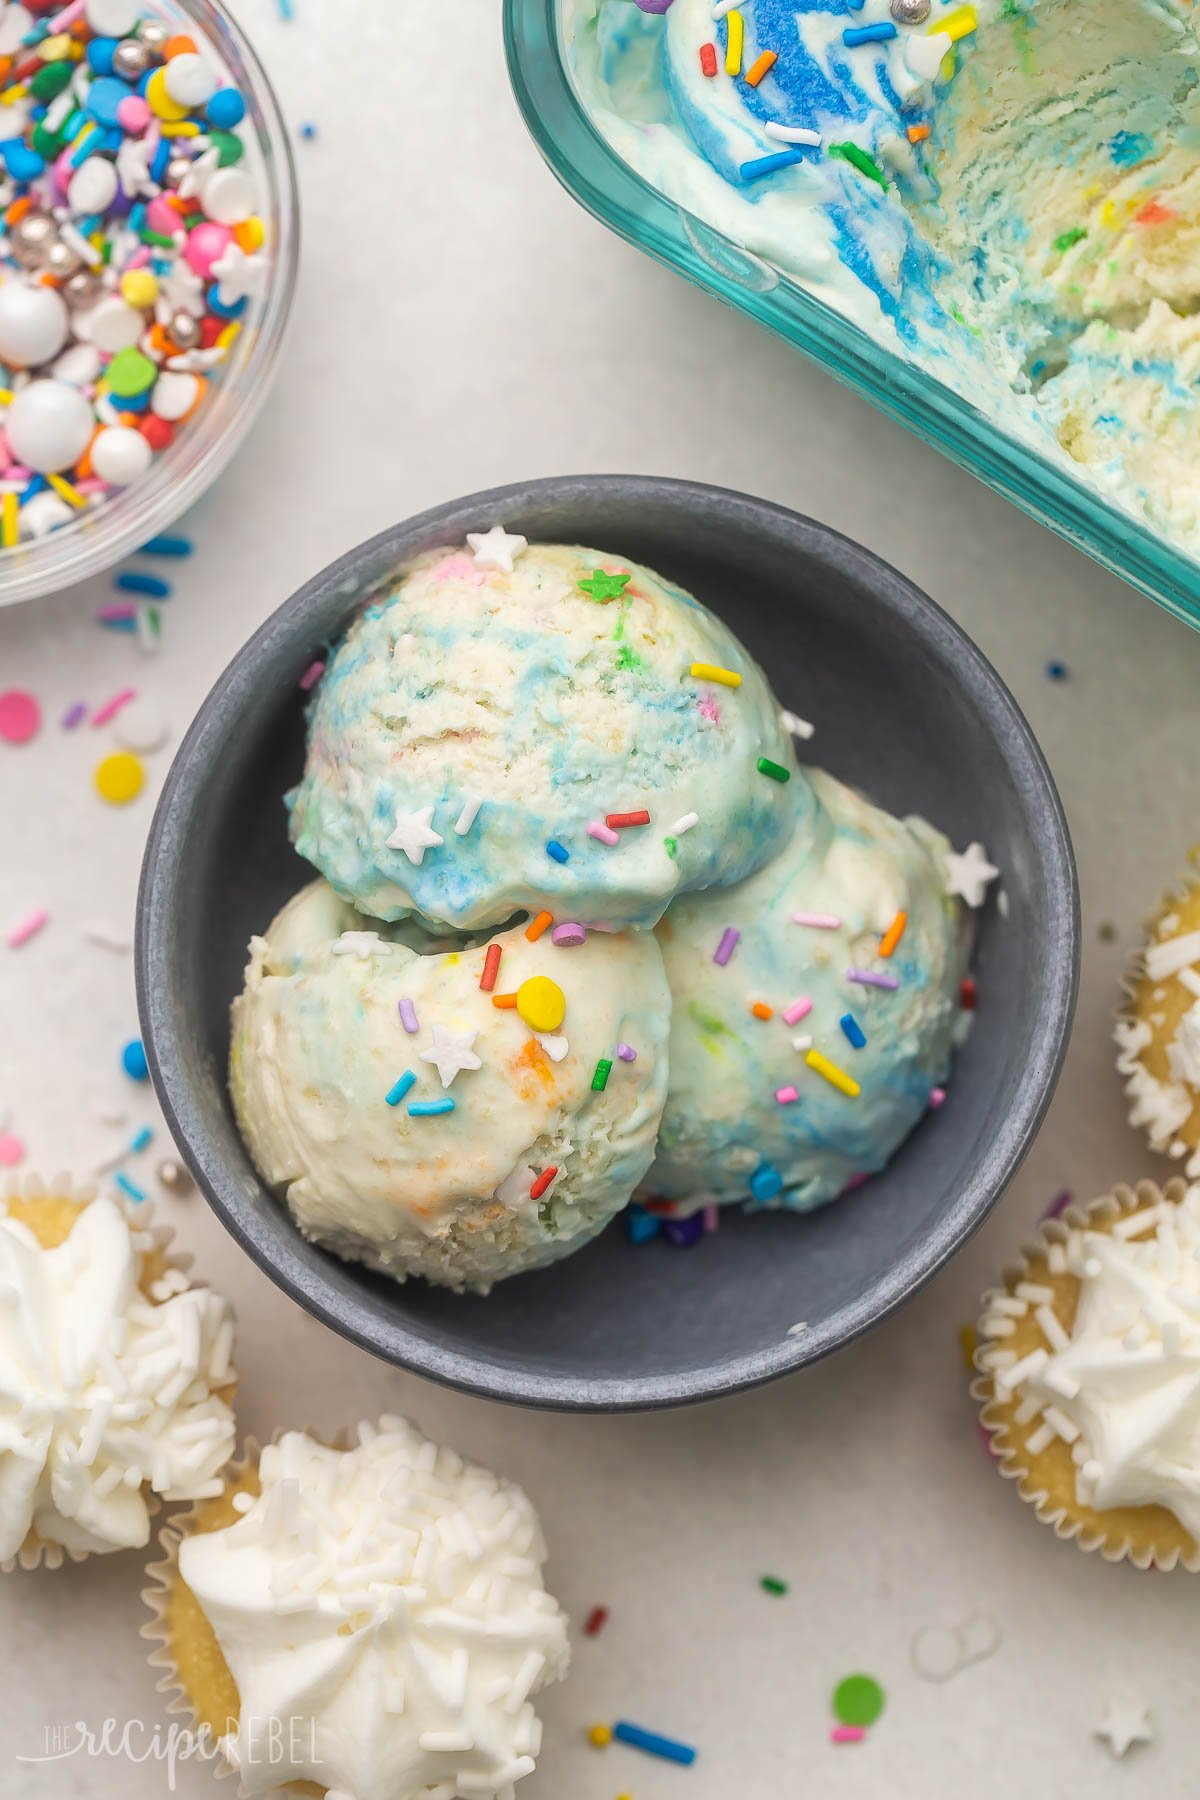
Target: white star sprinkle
x=1125 y=1722
x=360 y=943
x=182 y=290
x=496 y=548
x=969 y=874
x=451 y=1053
x=197 y=177
x=414 y=835
x=133 y=166
x=240 y=277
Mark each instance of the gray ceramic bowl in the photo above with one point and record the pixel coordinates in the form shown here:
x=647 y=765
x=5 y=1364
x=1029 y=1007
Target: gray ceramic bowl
x=904 y=706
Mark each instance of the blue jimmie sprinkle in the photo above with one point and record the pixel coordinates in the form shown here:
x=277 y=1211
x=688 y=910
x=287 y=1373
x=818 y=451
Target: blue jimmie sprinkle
x=428 y=1109
x=868 y=34
x=556 y=850
x=130 y=582
x=129 y=1187
x=168 y=546
x=396 y=1093
x=640 y=1226
x=766 y=1182
x=853 y=1030
x=653 y=1744
x=765 y=165
x=143 y=1137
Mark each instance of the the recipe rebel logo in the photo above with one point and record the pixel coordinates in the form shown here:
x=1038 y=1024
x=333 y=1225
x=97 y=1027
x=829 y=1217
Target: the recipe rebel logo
x=263 y=1743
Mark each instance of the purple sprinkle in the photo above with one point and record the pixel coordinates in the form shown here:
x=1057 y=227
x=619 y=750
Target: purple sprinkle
x=568 y=935
x=711 y=1216
x=74 y=715
x=728 y=944
x=408 y=1017
x=682 y=1232
x=312 y=675
x=626 y=1052
x=1058 y=1205
x=868 y=978
x=937 y=1097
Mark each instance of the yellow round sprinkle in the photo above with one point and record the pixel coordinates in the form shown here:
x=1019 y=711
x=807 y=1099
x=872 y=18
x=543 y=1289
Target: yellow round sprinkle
x=251 y=234
x=159 y=100
x=541 y=1003
x=119 y=778
x=600 y=1736
x=139 y=288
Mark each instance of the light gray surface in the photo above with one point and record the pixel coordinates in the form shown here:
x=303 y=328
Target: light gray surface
x=460 y=323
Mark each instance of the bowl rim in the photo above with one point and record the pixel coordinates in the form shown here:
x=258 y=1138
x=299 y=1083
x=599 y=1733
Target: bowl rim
x=399 y=1343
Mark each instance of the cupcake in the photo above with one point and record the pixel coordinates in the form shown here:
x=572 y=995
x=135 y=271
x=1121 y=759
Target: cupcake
x=372 y=1620
x=1089 y=1361
x=1158 y=1031
x=459 y=1113
x=117 y=1377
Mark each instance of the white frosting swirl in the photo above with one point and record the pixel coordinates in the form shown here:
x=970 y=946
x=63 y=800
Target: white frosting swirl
x=103 y=1393
x=383 y=1609
x=1124 y=1387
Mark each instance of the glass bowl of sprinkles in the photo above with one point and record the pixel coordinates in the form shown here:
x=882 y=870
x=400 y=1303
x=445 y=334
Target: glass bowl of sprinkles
x=149 y=236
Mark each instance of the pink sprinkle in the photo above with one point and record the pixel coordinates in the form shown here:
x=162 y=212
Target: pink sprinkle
x=711 y=1216
x=21 y=934
x=112 y=707
x=93 y=485
x=19 y=472
x=568 y=935
x=460 y=568
x=799 y=1009
x=856 y=1181
x=141 y=257
x=12 y=1150
x=74 y=715
x=728 y=944
x=601 y=832
x=868 y=978
x=113 y=615
x=311 y=675
x=66 y=17
x=626 y=1052
x=710 y=710
x=785 y=1095
x=937 y=1097
x=133 y=115
x=818 y=921
x=847 y=1734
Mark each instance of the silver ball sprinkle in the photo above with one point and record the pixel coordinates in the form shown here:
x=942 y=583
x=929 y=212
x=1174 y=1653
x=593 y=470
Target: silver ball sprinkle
x=184 y=330
x=31 y=239
x=174 y=1177
x=62 y=261
x=82 y=290
x=177 y=168
x=911 y=12
x=131 y=59
x=153 y=34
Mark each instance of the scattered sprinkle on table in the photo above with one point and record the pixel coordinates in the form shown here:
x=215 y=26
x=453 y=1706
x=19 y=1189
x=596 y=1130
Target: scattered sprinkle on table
x=131 y=581
x=857 y=1700
x=129 y=1187
x=771 y=1584
x=74 y=715
x=847 y=1734
x=968 y=994
x=600 y=1736
x=119 y=778
x=112 y=707
x=1057 y=671
x=28 y=928
x=937 y=1098
x=166 y=545
x=12 y=1150
x=595 y=1622
x=133 y=1060
x=653 y=1743
x=730 y=938
x=20 y=716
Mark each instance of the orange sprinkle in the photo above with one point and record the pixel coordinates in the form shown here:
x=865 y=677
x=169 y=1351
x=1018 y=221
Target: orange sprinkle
x=180 y=45
x=762 y=65
x=17 y=210
x=508 y=1001
x=1155 y=213
x=535 y=927
x=762 y=1011
x=893 y=934
x=918 y=133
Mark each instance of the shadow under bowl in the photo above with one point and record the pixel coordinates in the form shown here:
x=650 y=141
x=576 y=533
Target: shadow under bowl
x=905 y=707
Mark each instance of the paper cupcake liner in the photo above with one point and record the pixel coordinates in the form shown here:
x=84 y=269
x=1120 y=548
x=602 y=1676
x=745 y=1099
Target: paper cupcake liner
x=1146 y=1097
x=1091 y=1529
x=34 y=1552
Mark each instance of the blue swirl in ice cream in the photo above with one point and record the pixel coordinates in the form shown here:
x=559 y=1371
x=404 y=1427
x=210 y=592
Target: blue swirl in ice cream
x=751 y=1112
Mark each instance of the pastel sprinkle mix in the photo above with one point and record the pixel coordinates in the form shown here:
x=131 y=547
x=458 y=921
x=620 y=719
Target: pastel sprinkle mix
x=710 y=672
x=600 y=1078
x=684 y=824
x=602 y=833
x=620 y=821
x=853 y=1030
x=543 y=1182
x=468 y=815
x=537 y=926
x=868 y=978
x=397 y=1092
x=28 y=928
x=650 y=1741
x=430 y=1109
x=408 y=1017
x=311 y=676
x=771 y=1584
x=491 y=965
x=786 y=1095
x=626 y=1052
x=818 y=921
x=128 y=1187
x=799 y=1009
x=730 y=938
x=595 y=1621
x=112 y=707
x=836 y=1077
x=761 y=1010
x=893 y=934
x=762 y=65
x=568 y=935
x=556 y=850
x=774 y=770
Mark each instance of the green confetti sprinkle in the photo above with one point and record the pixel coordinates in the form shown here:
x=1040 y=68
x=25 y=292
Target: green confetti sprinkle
x=775 y=770
x=857 y=1700
x=600 y=1078
x=858 y=159
x=1068 y=239
x=602 y=587
x=628 y=658
x=671 y=847
x=771 y=1584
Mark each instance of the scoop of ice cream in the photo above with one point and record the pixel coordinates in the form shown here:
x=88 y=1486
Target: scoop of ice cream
x=576 y=734
x=757 y=1106
x=453 y=1115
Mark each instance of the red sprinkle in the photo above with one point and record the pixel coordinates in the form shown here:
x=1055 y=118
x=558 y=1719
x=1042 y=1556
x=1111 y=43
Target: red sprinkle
x=665 y=1208
x=966 y=995
x=595 y=1622
x=617 y=821
x=708 y=59
x=491 y=964
x=543 y=1182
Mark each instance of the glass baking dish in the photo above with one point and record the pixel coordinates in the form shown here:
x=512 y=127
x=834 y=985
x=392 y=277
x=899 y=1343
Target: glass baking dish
x=592 y=171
